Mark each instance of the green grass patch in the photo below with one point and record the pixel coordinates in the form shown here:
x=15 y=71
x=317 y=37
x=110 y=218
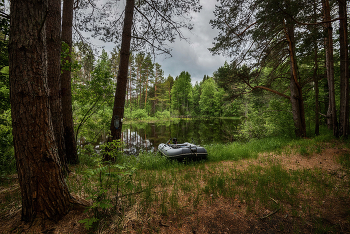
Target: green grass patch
x=345 y=160
x=240 y=150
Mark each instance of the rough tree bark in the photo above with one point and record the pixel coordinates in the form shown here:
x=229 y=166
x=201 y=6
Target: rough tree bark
x=315 y=79
x=119 y=98
x=344 y=71
x=70 y=143
x=43 y=188
x=296 y=95
x=317 y=106
x=332 y=113
x=53 y=40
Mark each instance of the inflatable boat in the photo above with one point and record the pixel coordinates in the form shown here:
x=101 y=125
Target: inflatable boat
x=182 y=151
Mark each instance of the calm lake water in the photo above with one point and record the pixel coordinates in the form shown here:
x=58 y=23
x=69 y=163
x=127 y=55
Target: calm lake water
x=147 y=136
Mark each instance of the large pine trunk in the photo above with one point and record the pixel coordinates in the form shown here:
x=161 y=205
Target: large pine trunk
x=43 y=188
x=119 y=98
x=296 y=95
x=344 y=72
x=70 y=143
x=332 y=113
x=317 y=106
x=315 y=77
x=53 y=40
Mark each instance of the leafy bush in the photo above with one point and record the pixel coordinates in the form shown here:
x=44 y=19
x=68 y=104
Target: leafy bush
x=110 y=177
x=88 y=156
x=7 y=159
x=175 y=113
x=280 y=119
x=138 y=114
x=254 y=126
x=162 y=114
x=272 y=120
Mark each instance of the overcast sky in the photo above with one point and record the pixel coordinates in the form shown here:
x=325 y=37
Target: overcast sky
x=193 y=55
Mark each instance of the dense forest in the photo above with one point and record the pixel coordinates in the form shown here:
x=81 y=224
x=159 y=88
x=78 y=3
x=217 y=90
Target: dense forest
x=289 y=76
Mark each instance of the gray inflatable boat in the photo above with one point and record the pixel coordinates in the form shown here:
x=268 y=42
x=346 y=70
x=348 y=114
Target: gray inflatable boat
x=182 y=151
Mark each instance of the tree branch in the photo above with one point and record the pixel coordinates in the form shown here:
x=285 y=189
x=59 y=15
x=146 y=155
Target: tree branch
x=144 y=39
x=239 y=35
x=273 y=91
x=308 y=24
x=82 y=38
x=149 y=22
x=76 y=5
x=327 y=116
x=166 y=19
x=4 y=15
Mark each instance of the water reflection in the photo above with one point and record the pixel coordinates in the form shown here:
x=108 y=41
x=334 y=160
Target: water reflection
x=134 y=142
x=147 y=136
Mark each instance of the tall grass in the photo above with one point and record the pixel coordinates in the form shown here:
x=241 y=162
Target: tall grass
x=148 y=161
x=216 y=152
x=150 y=184
x=240 y=150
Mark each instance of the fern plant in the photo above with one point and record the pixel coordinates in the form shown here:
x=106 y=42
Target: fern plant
x=111 y=177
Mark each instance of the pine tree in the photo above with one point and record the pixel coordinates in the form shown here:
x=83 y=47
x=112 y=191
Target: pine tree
x=44 y=191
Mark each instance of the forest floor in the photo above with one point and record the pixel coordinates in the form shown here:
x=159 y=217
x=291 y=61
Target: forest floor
x=318 y=201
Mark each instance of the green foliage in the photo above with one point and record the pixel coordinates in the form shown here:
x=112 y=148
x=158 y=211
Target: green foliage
x=303 y=151
x=93 y=98
x=231 y=109
x=263 y=25
x=148 y=161
x=4 y=89
x=4 y=66
x=279 y=118
x=88 y=156
x=162 y=114
x=240 y=150
x=66 y=65
x=142 y=114
x=138 y=114
x=232 y=79
x=110 y=177
x=211 y=98
x=345 y=161
x=7 y=159
x=274 y=119
x=196 y=95
x=89 y=222
x=113 y=149
x=181 y=93
x=235 y=151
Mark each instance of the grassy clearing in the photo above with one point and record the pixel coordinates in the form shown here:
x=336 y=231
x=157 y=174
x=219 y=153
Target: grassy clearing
x=240 y=150
x=150 y=194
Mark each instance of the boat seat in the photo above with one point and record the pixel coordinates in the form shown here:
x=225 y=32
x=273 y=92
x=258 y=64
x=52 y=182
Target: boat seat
x=177 y=146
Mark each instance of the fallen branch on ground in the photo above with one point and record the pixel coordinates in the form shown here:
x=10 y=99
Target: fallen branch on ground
x=272 y=213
